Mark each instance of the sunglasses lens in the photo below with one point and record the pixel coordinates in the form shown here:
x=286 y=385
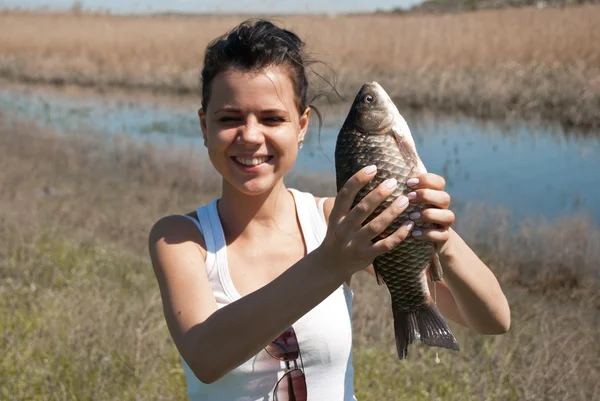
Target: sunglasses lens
x=291 y=387
x=284 y=347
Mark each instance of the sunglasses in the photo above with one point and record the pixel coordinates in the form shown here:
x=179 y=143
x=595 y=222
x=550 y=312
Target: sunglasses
x=292 y=385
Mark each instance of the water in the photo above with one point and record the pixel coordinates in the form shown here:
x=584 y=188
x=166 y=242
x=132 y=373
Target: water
x=531 y=171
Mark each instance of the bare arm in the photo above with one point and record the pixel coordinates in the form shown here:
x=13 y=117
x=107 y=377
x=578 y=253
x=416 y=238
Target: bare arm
x=470 y=293
x=213 y=341
x=477 y=295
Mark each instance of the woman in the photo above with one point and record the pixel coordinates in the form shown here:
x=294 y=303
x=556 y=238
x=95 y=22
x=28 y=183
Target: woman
x=266 y=262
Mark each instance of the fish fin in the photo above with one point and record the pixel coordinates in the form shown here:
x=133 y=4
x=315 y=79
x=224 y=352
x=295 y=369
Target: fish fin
x=407 y=150
x=435 y=267
x=434 y=328
x=377 y=274
x=427 y=324
x=405 y=330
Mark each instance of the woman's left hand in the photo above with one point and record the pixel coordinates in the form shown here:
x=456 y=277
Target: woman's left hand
x=428 y=189
x=470 y=293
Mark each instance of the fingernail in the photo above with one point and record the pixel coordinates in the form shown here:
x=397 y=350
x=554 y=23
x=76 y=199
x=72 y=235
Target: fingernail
x=412 y=195
x=370 y=169
x=403 y=201
x=391 y=183
x=410 y=225
x=417 y=233
x=412 y=182
x=414 y=215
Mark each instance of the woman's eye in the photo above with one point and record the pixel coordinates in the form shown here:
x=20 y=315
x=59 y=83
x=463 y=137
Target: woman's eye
x=228 y=119
x=273 y=121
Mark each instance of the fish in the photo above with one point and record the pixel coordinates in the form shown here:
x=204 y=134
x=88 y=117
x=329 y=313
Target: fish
x=375 y=133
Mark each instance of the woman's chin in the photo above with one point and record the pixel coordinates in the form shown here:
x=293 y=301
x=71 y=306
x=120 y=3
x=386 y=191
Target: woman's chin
x=255 y=186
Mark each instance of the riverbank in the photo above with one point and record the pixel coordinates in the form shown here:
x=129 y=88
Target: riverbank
x=502 y=64
x=81 y=313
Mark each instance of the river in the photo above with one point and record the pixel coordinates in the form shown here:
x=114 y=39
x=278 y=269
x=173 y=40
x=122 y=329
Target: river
x=528 y=169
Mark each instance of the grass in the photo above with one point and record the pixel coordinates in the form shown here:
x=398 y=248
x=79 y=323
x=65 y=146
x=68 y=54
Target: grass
x=82 y=322
x=81 y=316
x=511 y=63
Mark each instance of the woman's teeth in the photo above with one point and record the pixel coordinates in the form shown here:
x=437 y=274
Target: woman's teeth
x=251 y=161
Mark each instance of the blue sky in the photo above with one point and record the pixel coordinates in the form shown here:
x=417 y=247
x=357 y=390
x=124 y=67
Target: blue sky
x=248 y=6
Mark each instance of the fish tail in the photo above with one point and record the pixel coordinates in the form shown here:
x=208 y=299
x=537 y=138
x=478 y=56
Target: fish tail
x=427 y=324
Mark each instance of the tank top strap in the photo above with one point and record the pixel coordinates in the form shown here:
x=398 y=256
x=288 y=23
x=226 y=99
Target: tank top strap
x=217 y=270
x=209 y=241
x=211 y=215
x=311 y=221
x=321 y=210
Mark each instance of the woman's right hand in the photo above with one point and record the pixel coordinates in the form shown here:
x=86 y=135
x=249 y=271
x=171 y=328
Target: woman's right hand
x=348 y=244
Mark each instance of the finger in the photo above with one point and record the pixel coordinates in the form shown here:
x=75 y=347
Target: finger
x=442 y=217
x=368 y=204
x=346 y=195
x=431 y=234
x=427 y=180
x=393 y=240
x=380 y=223
x=433 y=197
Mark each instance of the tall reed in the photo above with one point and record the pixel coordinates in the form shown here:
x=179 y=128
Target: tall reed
x=515 y=62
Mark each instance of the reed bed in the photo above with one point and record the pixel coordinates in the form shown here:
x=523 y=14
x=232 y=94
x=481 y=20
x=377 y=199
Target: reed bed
x=495 y=64
x=81 y=316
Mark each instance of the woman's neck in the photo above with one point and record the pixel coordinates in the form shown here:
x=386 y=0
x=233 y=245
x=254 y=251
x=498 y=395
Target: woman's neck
x=252 y=215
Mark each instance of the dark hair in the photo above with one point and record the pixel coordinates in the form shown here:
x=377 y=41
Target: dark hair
x=253 y=45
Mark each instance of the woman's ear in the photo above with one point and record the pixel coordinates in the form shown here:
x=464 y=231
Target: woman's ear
x=304 y=119
x=202 y=117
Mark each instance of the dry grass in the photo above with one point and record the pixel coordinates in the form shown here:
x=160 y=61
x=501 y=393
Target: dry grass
x=523 y=63
x=81 y=315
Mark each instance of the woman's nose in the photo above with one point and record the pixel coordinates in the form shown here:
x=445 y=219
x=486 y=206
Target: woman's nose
x=250 y=132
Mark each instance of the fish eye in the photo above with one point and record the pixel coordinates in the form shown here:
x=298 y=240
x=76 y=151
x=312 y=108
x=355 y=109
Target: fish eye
x=368 y=98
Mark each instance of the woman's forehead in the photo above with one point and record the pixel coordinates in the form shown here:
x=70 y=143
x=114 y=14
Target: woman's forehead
x=269 y=88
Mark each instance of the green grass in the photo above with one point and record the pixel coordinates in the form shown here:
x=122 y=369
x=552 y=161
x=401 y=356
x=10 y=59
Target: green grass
x=381 y=376
x=82 y=322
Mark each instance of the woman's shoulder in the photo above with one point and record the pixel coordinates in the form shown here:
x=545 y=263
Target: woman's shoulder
x=325 y=204
x=177 y=229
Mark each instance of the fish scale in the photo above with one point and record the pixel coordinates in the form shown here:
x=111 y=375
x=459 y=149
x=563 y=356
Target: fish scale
x=405 y=286
x=374 y=133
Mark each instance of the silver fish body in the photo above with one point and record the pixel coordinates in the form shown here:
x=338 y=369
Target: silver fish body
x=374 y=133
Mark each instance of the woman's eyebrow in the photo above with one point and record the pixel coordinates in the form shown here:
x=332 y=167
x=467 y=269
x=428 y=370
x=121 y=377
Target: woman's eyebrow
x=227 y=109
x=274 y=111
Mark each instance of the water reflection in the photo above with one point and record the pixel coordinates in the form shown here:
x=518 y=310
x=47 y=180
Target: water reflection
x=529 y=170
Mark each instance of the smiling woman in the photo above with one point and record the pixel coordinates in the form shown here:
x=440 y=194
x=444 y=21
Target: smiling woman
x=252 y=128
x=252 y=301
x=255 y=284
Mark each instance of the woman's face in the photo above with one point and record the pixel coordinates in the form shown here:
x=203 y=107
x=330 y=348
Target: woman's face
x=252 y=127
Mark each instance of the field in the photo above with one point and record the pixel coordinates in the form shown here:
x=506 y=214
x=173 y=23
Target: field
x=80 y=311
x=515 y=63
x=81 y=316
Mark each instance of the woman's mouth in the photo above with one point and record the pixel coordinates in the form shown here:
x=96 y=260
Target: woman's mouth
x=251 y=162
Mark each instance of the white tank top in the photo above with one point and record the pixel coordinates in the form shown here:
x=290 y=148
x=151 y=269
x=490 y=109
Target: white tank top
x=324 y=333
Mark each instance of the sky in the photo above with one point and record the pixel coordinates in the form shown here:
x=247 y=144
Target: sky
x=216 y=6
